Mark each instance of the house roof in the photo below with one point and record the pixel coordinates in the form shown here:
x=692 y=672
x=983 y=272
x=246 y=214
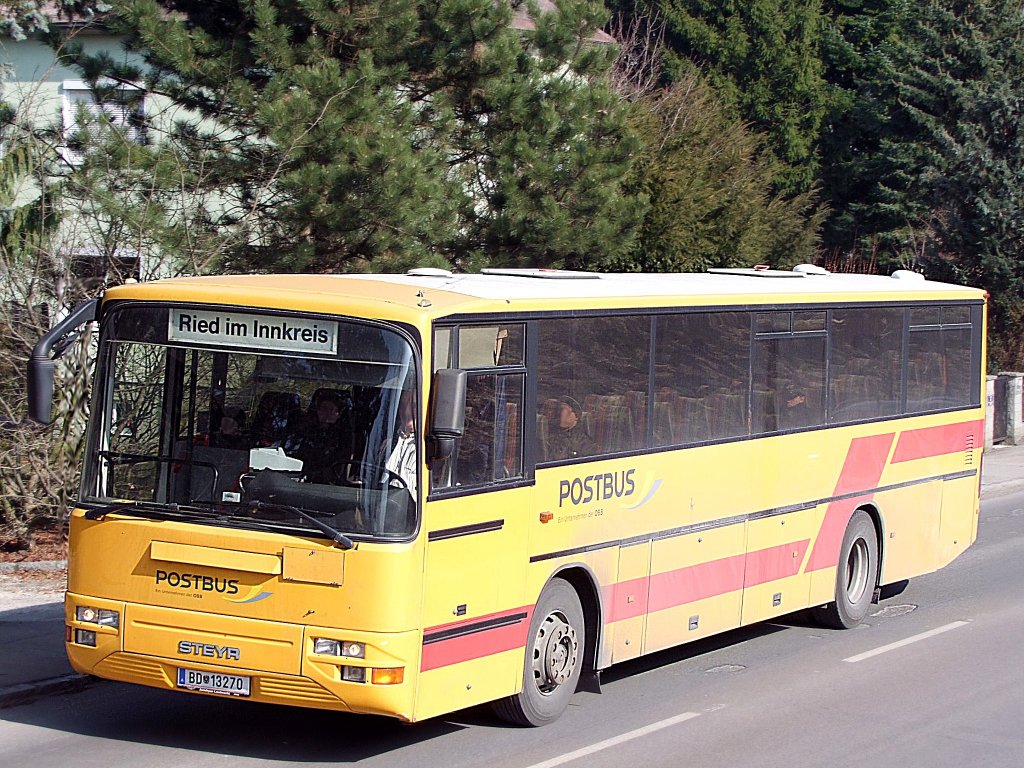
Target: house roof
x=521 y=19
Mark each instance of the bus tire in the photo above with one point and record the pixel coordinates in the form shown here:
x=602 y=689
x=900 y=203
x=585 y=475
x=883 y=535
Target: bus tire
x=856 y=575
x=554 y=659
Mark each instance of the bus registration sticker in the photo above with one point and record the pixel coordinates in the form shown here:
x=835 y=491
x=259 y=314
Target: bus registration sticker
x=213 y=682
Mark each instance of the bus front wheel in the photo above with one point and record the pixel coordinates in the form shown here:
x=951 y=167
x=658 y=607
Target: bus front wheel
x=554 y=659
x=856 y=575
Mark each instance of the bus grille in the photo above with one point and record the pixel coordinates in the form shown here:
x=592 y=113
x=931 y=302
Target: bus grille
x=286 y=690
x=120 y=666
x=293 y=689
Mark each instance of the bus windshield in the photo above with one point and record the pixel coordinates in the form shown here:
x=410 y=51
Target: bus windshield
x=233 y=418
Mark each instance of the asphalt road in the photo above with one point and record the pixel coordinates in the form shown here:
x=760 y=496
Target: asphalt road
x=934 y=678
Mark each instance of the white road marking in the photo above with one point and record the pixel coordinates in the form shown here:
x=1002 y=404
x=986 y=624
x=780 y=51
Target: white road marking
x=583 y=752
x=907 y=641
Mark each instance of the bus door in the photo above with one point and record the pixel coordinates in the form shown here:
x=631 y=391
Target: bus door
x=475 y=619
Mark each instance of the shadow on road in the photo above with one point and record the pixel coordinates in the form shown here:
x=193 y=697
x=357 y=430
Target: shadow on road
x=697 y=648
x=128 y=713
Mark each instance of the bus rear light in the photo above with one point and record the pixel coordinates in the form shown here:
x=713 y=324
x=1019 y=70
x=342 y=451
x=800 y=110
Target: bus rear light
x=388 y=676
x=85 y=637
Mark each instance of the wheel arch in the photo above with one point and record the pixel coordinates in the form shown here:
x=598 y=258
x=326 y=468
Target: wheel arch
x=877 y=519
x=582 y=579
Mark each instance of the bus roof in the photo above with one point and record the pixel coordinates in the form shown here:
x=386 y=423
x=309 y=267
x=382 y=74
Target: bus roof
x=430 y=294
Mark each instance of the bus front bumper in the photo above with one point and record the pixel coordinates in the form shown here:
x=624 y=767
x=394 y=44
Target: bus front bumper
x=256 y=660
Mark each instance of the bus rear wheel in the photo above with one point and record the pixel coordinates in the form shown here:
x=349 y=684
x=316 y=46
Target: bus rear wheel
x=856 y=575
x=554 y=659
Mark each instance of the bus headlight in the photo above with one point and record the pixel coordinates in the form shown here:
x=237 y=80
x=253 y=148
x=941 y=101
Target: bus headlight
x=353 y=674
x=86 y=613
x=353 y=650
x=346 y=648
x=85 y=637
x=102 y=616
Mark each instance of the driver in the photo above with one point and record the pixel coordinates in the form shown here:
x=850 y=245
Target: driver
x=402 y=460
x=322 y=444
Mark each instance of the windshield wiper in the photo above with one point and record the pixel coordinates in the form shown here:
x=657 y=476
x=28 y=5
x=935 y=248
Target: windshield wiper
x=96 y=513
x=343 y=541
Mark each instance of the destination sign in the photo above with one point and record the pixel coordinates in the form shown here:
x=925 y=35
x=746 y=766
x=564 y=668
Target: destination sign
x=274 y=332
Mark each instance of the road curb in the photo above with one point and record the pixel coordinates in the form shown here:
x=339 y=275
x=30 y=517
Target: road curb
x=34 y=565
x=23 y=693
x=999 y=488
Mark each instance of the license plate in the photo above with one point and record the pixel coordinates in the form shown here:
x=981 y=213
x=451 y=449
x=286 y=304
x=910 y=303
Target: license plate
x=213 y=682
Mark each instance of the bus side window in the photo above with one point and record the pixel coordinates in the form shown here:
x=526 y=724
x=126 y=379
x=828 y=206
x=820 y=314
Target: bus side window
x=491 y=448
x=592 y=385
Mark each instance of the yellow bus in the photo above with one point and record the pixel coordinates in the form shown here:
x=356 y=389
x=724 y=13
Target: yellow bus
x=410 y=494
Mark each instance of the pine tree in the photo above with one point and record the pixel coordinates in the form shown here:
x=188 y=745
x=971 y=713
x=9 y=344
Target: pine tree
x=862 y=47
x=934 y=175
x=710 y=189
x=763 y=58
x=357 y=134
x=964 y=97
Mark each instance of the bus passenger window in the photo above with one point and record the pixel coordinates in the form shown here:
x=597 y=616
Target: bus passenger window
x=788 y=369
x=865 y=370
x=592 y=380
x=701 y=369
x=939 y=359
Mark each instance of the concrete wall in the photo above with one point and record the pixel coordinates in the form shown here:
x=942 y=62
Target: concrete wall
x=1014 y=404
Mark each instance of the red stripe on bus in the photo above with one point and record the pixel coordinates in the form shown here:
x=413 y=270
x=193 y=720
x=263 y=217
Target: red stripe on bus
x=634 y=597
x=626 y=599
x=475 y=644
x=774 y=563
x=862 y=470
x=475 y=620
x=936 y=441
x=695 y=582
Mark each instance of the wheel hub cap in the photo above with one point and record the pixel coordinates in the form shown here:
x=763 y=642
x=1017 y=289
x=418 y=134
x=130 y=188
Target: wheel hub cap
x=555 y=652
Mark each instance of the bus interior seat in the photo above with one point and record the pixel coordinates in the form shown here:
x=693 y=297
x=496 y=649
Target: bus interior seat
x=664 y=432
x=214 y=472
x=510 y=464
x=276 y=415
x=542 y=437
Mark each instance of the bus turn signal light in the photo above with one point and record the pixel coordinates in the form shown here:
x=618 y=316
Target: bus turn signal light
x=388 y=676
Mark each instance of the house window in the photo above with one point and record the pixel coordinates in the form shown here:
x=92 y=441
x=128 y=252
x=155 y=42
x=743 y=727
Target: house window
x=119 y=107
x=92 y=269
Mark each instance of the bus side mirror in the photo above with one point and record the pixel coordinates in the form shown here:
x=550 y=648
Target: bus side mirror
x=43 y=362
x=447 y=411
